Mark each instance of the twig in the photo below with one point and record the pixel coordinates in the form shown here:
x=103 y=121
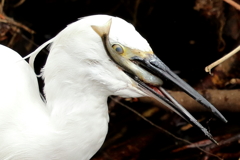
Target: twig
x=19 y=3
x=8 y=20
x=1 y=6
x=232 y=3
x=11 y=21
x=3 y=2
x=162 y=129
x=208 y=68
x=214 y=64
x=215 y=148
x=10 y=44
x=203 y=143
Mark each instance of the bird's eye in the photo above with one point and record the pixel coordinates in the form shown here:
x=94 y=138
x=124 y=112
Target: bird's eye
x=118 y=48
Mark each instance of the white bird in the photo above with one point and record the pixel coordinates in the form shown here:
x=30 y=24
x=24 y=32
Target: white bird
x=91 y=59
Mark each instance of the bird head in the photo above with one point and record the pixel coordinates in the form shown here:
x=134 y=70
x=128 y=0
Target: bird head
x=110 y=52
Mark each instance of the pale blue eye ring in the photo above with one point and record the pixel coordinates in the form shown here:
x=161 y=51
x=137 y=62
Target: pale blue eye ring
x=118 y=48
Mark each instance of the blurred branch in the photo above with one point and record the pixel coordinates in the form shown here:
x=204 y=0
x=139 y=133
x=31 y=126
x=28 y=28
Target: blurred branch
x=9 y=25
x=232 y=3
x=1 y=6
x=19 y=3
x=223 y=143
x=17 y=24
x=8 y=20
x=203 y=143
x=223 y=100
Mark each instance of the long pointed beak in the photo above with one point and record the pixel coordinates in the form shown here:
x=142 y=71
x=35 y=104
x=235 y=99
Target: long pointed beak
x=155 y=66
x=149 y=63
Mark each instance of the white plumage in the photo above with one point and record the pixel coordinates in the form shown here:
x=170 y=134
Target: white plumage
x=78 y=79
x=79 y=76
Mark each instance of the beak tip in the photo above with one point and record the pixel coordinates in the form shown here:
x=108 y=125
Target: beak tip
x=208 y=105
x=224 y=119
x=214 y=141
x=209 y=136
x=220 y=116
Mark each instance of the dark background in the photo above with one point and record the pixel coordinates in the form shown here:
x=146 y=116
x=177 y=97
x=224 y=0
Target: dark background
x=183 y=36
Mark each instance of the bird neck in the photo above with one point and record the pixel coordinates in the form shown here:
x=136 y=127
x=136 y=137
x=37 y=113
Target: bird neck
x=70 y=88
x=77 y=104
x=78 y=108
x=81 y=120
x=71 y=98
